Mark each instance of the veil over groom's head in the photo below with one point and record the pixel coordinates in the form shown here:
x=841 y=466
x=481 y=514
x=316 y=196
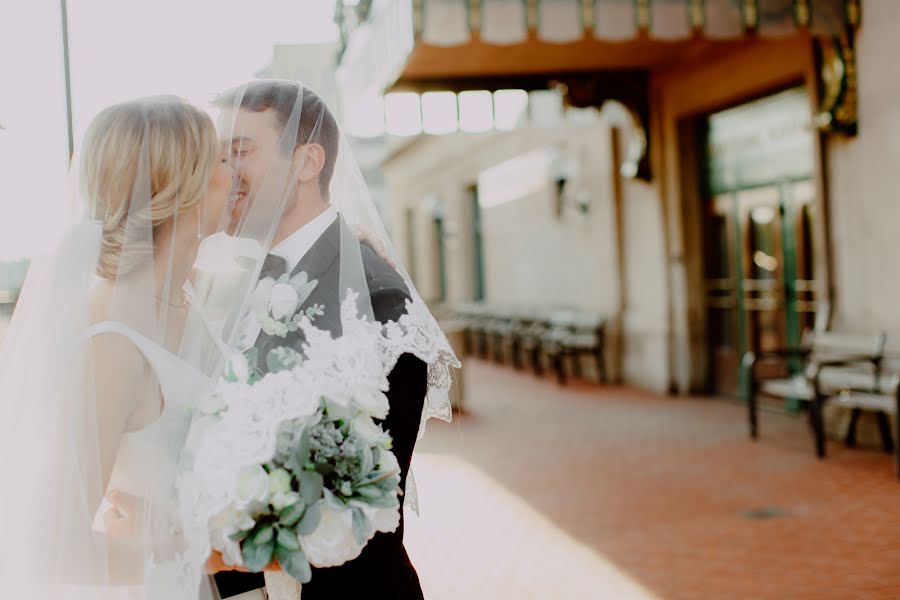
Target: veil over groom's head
x=283 y=141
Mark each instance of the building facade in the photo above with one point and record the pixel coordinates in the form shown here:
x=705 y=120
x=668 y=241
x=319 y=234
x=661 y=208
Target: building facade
x=729 y=189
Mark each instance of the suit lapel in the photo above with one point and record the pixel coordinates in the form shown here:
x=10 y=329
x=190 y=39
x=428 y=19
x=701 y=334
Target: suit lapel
x=316 y=263
x=323 y=253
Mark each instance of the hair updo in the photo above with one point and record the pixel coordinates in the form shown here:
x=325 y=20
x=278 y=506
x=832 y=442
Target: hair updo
x=172 y=146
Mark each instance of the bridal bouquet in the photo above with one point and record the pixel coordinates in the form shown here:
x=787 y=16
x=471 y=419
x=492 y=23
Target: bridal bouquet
x=290 y=465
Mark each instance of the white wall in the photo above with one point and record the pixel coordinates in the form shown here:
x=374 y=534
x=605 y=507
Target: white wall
x=532 y=257
x=865 y=186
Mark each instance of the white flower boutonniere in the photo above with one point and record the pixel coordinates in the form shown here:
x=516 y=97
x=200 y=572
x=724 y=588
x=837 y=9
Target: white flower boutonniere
x=276 y=303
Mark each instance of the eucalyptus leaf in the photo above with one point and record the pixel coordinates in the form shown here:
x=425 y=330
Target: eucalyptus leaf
x=361 y=526
x=294 y=563
x=287 y=538
x=291 y=515
x=257 y=556
x=369 y=492
x=310 y=520
x=303 y=448
x=240 y=536
x=385 y=501
x=264 y=534
x=311 y=485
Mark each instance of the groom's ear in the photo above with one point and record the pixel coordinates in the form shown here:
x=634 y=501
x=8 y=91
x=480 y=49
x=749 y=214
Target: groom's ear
x=309 y=160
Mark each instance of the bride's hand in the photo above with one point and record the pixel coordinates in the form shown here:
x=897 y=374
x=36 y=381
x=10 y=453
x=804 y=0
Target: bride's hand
x=216 y=564
x=372 y=242
x=122 y=513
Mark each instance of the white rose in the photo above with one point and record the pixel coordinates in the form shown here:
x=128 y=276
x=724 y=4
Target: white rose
x=386 y=520
x=222 y=527
x=282 y=500
x=279 y=482
x=332 y=543
x=283 y=301
x=371 y=400
x=338 y=411
x=364 y=428
x=388 y=462
x=253 y=485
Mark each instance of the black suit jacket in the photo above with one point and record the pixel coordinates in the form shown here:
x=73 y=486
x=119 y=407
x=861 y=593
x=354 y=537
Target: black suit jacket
x=383 y=570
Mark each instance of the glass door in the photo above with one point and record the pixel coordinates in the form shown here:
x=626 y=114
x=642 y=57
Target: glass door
x=758 y=234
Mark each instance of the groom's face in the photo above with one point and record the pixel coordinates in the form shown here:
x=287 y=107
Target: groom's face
x=261 y=170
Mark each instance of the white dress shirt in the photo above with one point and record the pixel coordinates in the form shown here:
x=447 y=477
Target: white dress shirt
x=293 y=248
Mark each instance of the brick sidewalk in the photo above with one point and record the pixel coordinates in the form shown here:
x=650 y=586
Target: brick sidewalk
x=592 y=492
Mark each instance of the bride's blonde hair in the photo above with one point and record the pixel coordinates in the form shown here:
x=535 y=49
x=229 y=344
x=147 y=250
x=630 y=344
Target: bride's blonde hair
x=179 y=153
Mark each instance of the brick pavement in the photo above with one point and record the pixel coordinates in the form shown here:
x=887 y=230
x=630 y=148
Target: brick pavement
x=599 y=492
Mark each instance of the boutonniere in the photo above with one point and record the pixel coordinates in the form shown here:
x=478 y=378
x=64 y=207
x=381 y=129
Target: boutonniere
x=277 y=303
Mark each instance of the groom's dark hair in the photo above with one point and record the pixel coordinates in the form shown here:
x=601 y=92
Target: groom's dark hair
x=316 y=123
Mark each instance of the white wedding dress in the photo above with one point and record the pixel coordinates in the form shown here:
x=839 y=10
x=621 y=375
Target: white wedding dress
x=144 y=451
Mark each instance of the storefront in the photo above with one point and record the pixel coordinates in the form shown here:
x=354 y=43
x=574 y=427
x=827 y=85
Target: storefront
x=719 y=114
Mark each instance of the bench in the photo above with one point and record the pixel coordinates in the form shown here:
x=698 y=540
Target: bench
x=499 y=328
x=472 y=318
x=882 y=403
x=829 y=363
x=572 y=334
x=527 y=342
x=879 y=395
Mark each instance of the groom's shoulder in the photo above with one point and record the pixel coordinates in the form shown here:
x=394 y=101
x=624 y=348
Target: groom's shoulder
x=380 y=275
x=387 y=287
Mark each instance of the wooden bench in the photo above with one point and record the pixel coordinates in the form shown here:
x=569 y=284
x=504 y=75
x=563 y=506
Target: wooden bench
x=499 y=328
x=883 y=404
x=472 y=317
x=527 y=341
x=829 y=363
x=572 y=334
x=880 y=396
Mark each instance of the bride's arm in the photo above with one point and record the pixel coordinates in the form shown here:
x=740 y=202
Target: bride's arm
x=125 y=391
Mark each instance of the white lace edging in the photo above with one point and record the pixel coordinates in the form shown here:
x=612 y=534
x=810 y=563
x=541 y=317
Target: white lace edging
x=203 y=489
x=417 y=332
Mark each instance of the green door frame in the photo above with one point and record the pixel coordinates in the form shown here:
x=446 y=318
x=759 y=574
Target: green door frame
x=789 y=274
x=478 y=287
x=442 y=258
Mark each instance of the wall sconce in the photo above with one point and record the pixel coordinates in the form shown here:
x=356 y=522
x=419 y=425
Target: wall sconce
x=628 y=121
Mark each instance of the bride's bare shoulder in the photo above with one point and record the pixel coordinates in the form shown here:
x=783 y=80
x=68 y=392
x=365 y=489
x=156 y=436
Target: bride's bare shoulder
x=100 y=301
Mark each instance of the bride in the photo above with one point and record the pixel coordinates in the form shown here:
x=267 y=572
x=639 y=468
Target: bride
x=105 y=356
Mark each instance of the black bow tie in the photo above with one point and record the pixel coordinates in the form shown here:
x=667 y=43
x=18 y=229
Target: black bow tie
x=273 y=266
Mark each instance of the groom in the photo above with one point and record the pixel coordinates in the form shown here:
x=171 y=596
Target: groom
x=312 y=237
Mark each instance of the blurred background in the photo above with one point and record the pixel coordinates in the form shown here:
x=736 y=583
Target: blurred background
x=662 y=235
